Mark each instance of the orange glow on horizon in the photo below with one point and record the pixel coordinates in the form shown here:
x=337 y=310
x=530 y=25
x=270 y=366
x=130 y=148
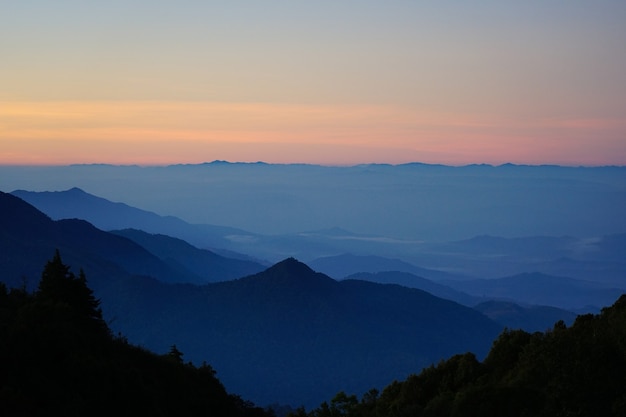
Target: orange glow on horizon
x=161 y=133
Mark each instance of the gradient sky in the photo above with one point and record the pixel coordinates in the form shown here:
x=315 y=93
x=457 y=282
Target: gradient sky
x=331 y=82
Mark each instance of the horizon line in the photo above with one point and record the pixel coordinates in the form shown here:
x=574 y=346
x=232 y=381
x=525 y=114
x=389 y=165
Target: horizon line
x=333 y=165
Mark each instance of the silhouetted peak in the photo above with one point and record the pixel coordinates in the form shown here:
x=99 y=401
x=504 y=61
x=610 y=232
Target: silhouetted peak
x=292 y=273
x=290 y=266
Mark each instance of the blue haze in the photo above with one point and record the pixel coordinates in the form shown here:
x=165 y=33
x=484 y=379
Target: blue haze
x=415 y=202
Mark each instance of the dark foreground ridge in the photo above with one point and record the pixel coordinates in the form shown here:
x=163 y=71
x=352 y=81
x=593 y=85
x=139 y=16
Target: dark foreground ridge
x=287 y=334
x=575 y=371
x=58 y=357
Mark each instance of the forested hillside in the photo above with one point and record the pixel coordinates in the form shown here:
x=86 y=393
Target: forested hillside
x=568 y=371
x=285 y=335
x=58 y=358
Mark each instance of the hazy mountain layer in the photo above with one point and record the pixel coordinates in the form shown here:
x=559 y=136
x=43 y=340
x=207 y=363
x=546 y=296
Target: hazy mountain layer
x=598 y=259
x=530 y=319
x=541 y=289
x=287 y=334
x=108 y=215
x=415 y=202
x=302 y=336
x=29 y=237
x=344 y=265
x=413 y=281
x=207 y=266
x=513 y=316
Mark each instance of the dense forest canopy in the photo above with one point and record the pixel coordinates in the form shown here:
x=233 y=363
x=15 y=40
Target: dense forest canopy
x=58 y=357
x=567 y=371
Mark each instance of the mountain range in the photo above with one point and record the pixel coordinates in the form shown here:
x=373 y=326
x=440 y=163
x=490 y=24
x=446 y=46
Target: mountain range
x=541 y=289
x=302 y=336
x=286 y=334
x=410 y=280
x=598 y=270
x=284 y=321
x=340 y=252
x=346 y=264
x=108 y=215
x=29 y=236
x=202 y=264
x=528 y=316
x=387 y=300
x=409 y=202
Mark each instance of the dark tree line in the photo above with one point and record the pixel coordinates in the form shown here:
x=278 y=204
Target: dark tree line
x=575 y=371
x=58 y=357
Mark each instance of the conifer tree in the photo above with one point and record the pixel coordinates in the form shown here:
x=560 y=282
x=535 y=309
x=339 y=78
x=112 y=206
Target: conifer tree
x=60 y=286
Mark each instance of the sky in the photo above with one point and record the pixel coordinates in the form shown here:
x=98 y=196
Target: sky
x=330 y=82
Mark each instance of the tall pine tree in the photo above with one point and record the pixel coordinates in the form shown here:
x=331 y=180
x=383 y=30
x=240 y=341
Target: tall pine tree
x=59 y=286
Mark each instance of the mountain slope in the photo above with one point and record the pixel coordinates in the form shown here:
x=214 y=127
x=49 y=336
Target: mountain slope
x=341 y=266
x=304 y=336
x=413 y=281
x=28 y=238
x=541 y=289
x=511 y=315
x=595 y=258
x=59 y=358
x=189 y=263
x=565 y=371
x=180 y=255
x=108 y=215
x=530 y=319
x=286 y=334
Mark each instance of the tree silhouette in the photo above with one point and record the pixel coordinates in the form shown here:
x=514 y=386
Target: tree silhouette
x=59 y=286
x=175 y=354
x=56 y=360
x=567 y=371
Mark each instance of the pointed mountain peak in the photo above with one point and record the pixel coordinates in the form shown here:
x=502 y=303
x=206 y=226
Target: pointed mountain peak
x=76 y=190
x=291 y=265
x=291 y=273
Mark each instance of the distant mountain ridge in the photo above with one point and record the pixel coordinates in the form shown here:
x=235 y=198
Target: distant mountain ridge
x=530 y=319
x=413 y=281
x=541 y=289
x=103 y=252
x=206 y=265
x=108 y=215
x=344 y=265
x=29 y=237
x=411 y=201
x=322 y=330
x=598 y=259
x=286 y=334
x=509 y=314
